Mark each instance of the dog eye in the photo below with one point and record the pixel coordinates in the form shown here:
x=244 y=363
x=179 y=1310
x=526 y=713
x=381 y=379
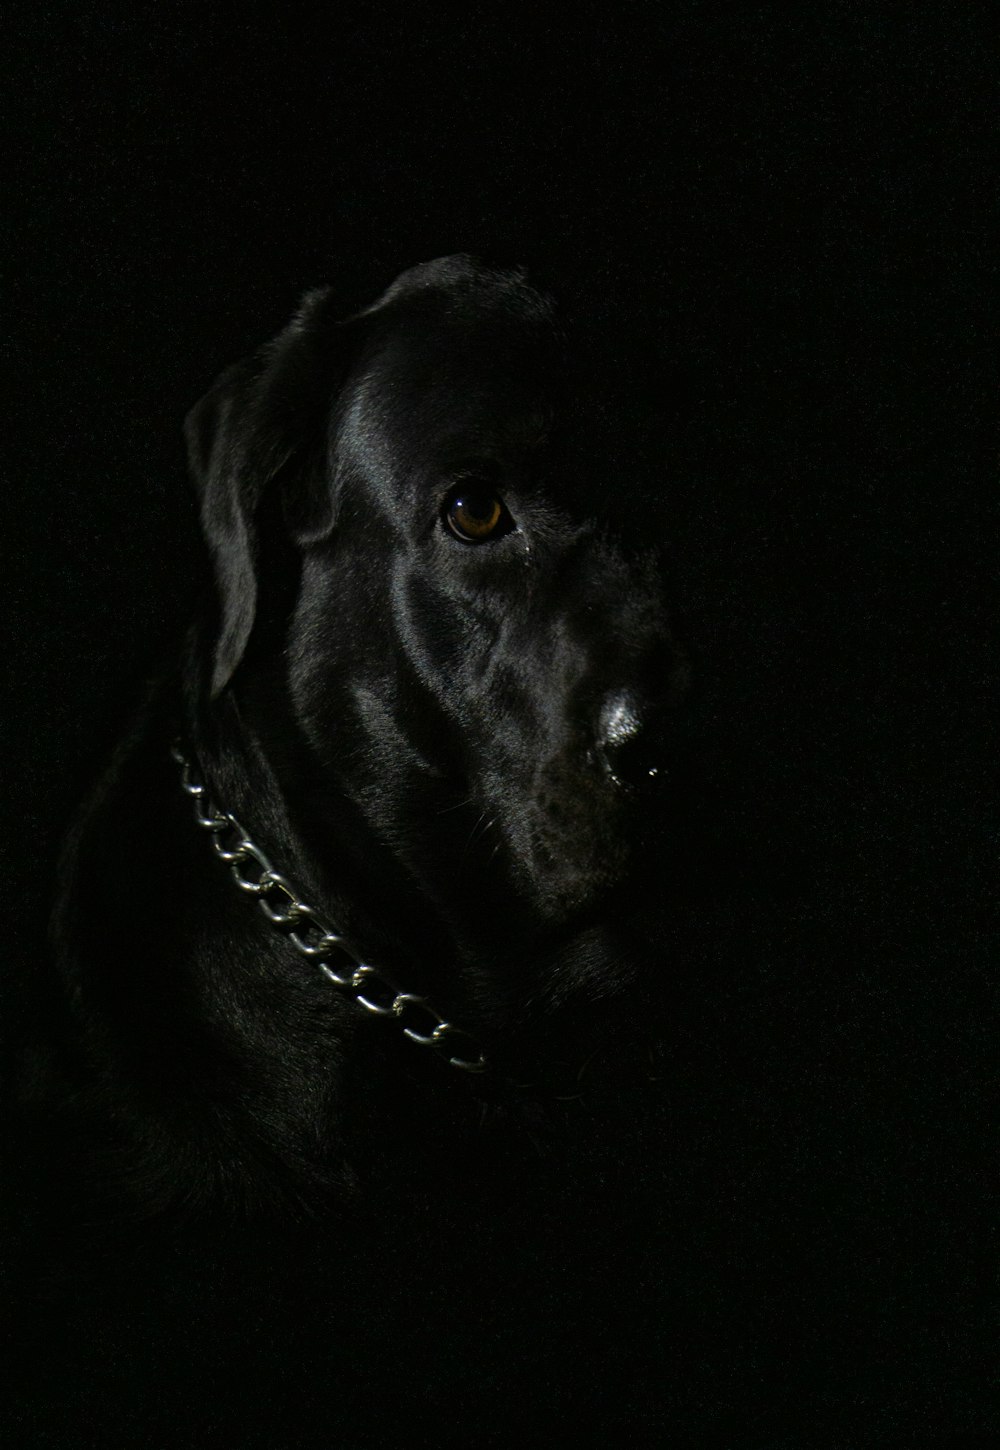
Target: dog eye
x=474 y=513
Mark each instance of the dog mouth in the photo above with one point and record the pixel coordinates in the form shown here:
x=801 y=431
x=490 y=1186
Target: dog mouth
x=570 y=844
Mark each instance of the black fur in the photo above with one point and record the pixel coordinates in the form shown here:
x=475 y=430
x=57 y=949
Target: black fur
x=414 y=727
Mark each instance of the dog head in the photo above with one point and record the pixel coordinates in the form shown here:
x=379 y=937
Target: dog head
x=469 y=641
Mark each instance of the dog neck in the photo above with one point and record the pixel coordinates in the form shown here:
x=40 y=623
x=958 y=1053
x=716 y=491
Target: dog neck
x=322 y=944
x=206 y=1029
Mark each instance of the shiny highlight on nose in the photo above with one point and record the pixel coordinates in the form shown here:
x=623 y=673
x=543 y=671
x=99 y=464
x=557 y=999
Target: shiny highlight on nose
x=618 y=721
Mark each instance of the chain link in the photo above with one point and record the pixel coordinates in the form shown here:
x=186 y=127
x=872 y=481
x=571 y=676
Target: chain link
x=319 y=942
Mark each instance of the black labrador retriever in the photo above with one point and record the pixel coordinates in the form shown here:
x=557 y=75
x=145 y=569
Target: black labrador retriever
x=351 y=1134
x=406 y=792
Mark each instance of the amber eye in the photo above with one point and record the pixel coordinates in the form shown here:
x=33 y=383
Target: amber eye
x=474 y=513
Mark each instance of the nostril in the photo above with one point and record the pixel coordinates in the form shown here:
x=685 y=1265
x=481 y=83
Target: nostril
x=633 y=762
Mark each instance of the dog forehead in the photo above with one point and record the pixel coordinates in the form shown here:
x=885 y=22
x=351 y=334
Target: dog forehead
x=481 y=369
x=429 y=388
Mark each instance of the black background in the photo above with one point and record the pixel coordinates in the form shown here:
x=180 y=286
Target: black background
x=782 y=215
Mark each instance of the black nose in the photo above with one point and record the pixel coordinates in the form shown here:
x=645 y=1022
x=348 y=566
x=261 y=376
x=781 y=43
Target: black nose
x=624 y=745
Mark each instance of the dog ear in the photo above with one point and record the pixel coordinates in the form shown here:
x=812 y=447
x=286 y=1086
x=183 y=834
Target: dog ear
x=263 y=425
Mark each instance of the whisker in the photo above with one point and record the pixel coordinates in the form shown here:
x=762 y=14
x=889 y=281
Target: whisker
x=445 y=810
x=472 y=836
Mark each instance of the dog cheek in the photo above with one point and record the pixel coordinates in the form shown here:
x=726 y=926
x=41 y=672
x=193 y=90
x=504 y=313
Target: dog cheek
x=444 y=639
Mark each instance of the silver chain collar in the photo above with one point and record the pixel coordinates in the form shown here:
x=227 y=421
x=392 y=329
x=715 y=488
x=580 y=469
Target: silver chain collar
x=315 y=939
